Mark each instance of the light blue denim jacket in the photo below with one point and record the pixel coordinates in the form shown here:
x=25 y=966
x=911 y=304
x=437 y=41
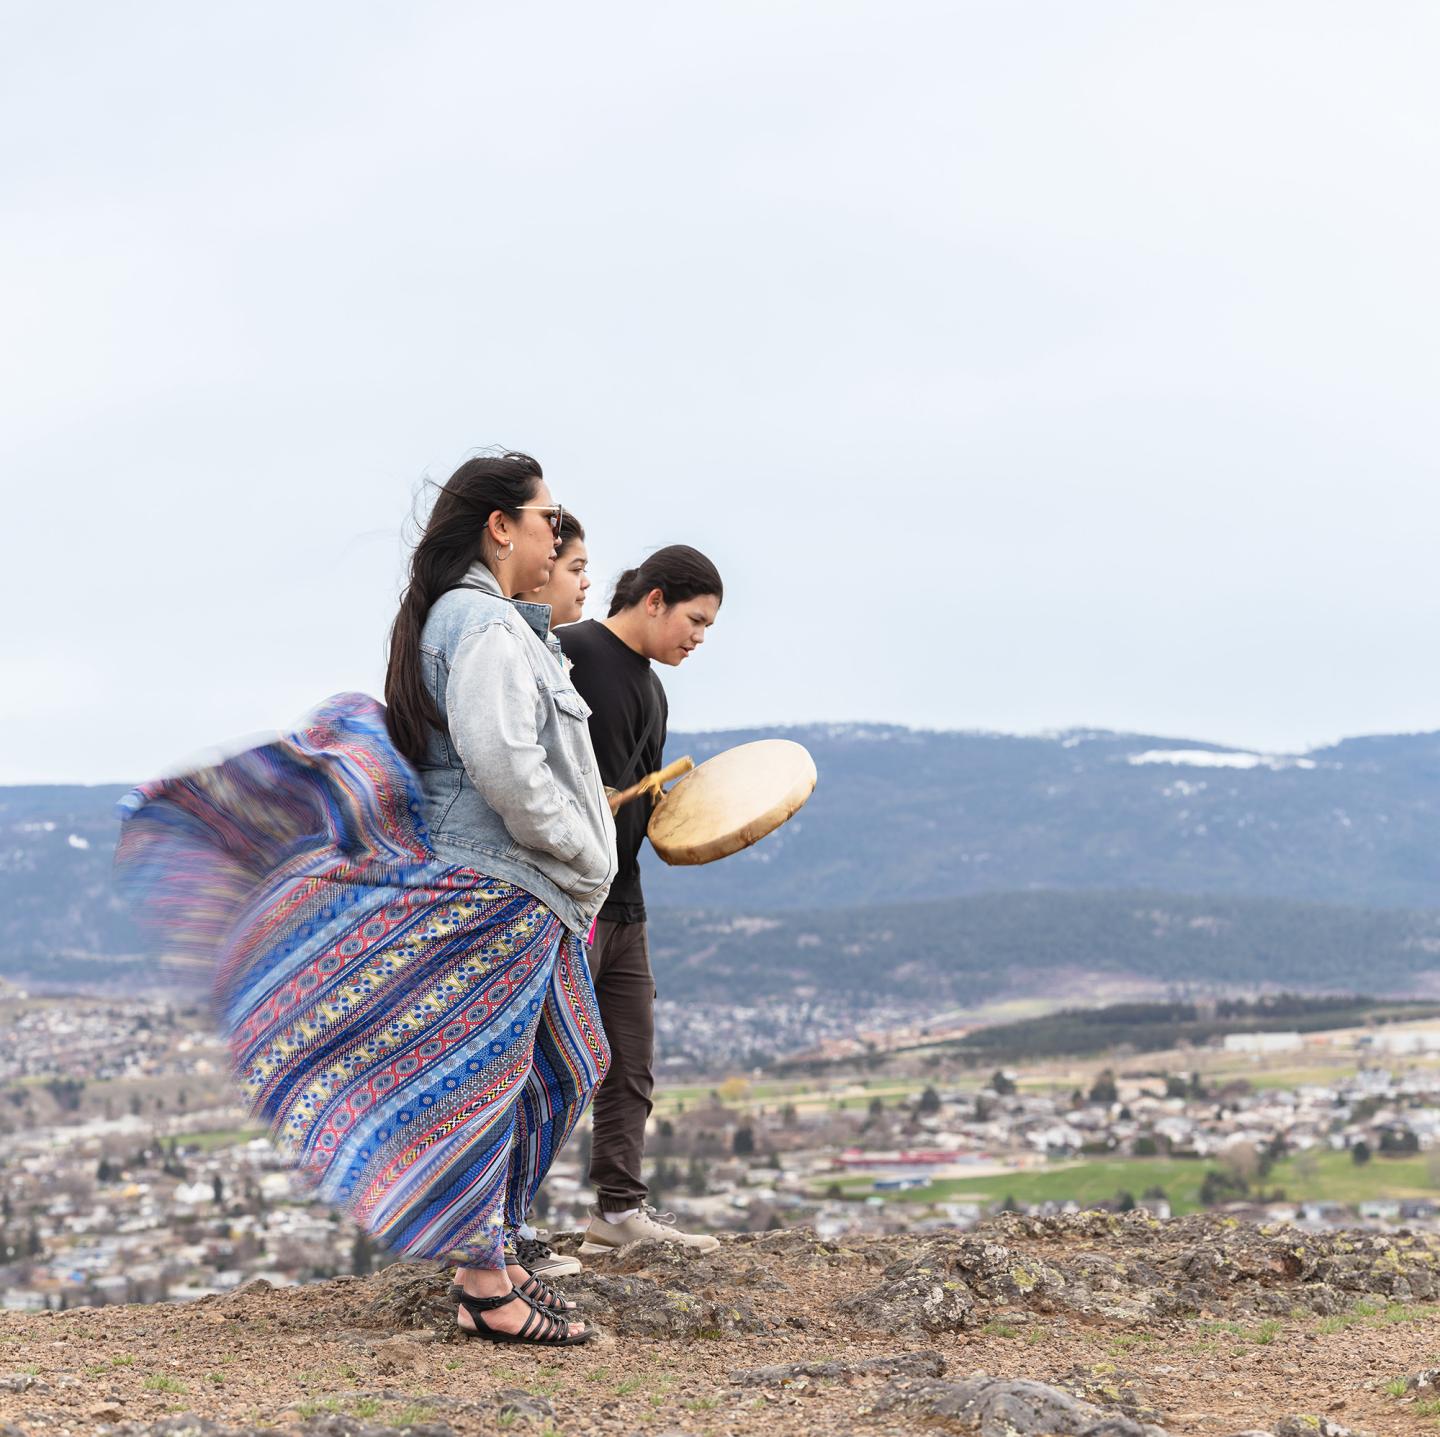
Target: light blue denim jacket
x=511 y=786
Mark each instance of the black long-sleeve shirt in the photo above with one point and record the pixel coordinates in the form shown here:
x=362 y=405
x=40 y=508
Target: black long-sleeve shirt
x=629 y=713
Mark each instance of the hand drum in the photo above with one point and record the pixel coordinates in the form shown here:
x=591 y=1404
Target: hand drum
x=731 y=801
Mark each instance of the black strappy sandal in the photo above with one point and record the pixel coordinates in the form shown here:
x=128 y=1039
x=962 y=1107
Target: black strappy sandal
x=545 y=1297
x=540 y=1328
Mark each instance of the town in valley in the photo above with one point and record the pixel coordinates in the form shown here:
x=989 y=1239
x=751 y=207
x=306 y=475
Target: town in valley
x=131 y=1175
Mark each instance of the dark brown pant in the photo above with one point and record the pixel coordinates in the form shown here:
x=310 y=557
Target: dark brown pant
x=620 y=966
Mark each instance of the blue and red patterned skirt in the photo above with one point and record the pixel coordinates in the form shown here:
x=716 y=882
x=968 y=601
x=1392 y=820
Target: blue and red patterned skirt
x=419 y=1038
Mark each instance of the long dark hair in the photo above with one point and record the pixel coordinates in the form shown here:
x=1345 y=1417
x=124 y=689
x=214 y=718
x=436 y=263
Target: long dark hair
x=677 y=570
x=448 y=546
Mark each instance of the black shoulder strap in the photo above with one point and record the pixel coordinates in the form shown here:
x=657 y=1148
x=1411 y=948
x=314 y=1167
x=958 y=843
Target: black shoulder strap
x=645 y=737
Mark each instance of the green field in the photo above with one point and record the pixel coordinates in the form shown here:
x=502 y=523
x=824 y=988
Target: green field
x=1320 y=1077
x=218 y=1138
x=1332 y=1176
x=805 y=1093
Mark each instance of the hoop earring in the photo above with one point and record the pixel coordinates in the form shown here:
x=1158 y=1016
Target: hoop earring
x=509 y=549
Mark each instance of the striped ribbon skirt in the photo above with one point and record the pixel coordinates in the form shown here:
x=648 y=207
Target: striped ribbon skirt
x=419 y=1038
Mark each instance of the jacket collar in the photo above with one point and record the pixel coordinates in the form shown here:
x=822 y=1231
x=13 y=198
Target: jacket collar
x=478 y=576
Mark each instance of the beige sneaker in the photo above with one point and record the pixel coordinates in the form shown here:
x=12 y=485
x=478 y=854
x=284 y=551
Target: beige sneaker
x=645 y=1225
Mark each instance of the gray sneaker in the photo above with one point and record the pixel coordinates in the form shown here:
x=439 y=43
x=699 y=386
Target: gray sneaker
x=540 y=1260
x=645 y=1225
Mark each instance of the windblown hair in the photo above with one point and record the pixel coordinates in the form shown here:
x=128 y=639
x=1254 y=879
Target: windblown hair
x=677 y=570
x=448 y=546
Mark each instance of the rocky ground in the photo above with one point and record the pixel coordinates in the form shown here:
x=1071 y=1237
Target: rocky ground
x=1089 y=1324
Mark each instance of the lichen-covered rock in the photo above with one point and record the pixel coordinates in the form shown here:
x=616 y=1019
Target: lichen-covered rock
x=991 y=1271
x=778 y=1374
x=1134 y=1228
x=1098 y=1285
x=328 y=1424
x=794 y=1243
x=1311 y=1427
x=731 y=1266
x=1107 y=1385
x=924 y=1300
x=1000 y=1407
x=1132 y=1266
x=23 y=1382
x=634 y=1306
x=936 y=1286
x=515 y=1404
x=408 y=1295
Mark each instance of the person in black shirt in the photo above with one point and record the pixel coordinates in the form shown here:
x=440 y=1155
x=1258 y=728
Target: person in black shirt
x=659 y=613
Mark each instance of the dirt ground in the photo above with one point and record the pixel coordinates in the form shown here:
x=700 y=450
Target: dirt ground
x=681 y=1333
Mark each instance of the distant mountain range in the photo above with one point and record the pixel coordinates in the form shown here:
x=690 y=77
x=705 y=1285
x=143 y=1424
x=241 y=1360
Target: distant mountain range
x=1067 y=837
x=900 y=814
x=966 y=952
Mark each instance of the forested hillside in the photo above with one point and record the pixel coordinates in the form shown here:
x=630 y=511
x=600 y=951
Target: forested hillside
x=972 y=950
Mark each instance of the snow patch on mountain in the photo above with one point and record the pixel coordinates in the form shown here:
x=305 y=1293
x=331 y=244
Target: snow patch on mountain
x=1212 y=758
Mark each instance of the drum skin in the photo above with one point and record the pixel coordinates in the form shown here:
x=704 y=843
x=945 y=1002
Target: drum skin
x=732 y=800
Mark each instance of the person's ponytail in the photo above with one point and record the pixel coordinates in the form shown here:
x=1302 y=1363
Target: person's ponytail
x=626 y=592
x=447 y=548
x=677 y=570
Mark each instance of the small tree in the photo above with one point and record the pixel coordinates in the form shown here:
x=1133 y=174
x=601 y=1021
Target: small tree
x=1397 y=1144
x=362 y=1254
x=663 y=1180
x=1104 y=1090
x=1360 y=1153
x=1003 y=1083
x=1271 y=1153
x=929 y=1103
x=697 y=1182
x=1221 y=1186
x=743 y=1143
x=1242 y=1161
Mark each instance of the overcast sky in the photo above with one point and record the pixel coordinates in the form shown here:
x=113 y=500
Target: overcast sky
x=1021 y=365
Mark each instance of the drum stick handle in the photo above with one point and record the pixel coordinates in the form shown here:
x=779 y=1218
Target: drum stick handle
x=653 y=783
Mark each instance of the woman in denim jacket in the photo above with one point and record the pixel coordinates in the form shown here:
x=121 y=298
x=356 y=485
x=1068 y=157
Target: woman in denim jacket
x=479 y=701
